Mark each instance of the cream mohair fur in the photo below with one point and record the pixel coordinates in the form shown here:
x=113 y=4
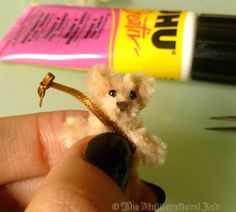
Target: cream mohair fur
x=121 y=98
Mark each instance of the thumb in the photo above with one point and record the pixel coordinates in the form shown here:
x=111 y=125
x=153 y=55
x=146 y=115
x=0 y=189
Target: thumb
x=75 y=183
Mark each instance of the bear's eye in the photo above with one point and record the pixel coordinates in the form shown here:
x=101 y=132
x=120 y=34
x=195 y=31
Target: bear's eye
x=132 y=95
x=112 y=93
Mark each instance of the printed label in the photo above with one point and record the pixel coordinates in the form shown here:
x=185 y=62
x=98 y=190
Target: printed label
x=150 y=41
x=78 y=37
x=61 y=36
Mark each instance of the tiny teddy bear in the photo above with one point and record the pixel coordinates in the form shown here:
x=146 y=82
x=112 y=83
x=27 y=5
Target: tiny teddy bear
x=121 y=98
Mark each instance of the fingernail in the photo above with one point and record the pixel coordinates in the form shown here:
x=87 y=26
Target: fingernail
x=160 y=194
x=112 y=154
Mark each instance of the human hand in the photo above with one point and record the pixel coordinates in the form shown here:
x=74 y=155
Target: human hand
x=38 y=173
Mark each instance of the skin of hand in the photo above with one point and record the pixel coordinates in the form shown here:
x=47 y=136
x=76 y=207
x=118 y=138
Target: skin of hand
x=39 y=174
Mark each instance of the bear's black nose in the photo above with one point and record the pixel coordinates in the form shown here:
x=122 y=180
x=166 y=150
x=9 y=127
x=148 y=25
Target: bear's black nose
x=122 y=105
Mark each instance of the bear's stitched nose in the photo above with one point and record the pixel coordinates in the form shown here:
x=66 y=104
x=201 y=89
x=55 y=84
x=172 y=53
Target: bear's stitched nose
x=122 y=105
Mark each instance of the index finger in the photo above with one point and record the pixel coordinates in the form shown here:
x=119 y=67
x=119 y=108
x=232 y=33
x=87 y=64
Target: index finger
x=31 y=144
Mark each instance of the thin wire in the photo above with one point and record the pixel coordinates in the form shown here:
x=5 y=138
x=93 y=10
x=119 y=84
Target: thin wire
x=225 y=129
x=224 y=118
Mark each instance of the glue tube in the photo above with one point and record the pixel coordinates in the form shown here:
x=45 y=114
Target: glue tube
x=214 y=57
x=158 y=43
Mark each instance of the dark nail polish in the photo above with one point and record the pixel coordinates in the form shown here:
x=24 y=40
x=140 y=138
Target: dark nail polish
x=112 y=154
x=160 y=194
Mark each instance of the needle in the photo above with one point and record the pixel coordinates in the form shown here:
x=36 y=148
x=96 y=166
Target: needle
x=223 y=118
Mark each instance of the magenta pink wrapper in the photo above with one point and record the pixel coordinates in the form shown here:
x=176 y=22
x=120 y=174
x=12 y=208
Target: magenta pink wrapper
x=60 y=36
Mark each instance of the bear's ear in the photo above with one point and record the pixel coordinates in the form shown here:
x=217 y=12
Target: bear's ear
x=143 y=85
x=99 y=78
x=145 y=88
